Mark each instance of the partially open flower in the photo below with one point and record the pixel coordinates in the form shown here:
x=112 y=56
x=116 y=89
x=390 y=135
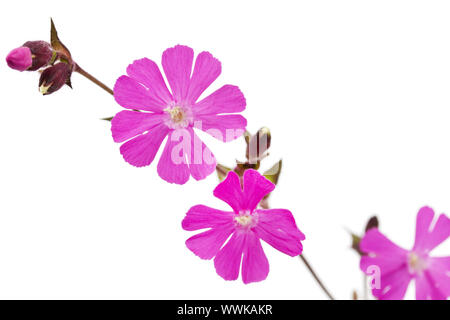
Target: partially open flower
x=20 y=59
x=54 y=77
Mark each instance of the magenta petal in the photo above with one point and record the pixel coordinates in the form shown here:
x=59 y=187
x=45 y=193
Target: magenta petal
x=375 y=242
x=201 y=160
x=427 y=288
x=438 y=276
x=228 y=99
x=386 y=263
x=230 y=191
x=228 y=259
x=277 y=227
x=393 y=285
x=255 y=266
x=222 y=127
x=141 y=150
x=206 y=244
x=391 y=261
x=131 y=94
x=206 y=70
x=256 y=187
x=128 y=124
x=202 y=217
x=147 y=72
x=427 y=239
x=177 y=65
x=172 y=165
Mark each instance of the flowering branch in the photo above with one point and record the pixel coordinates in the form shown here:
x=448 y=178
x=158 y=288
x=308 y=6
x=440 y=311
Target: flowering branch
x=154 y=113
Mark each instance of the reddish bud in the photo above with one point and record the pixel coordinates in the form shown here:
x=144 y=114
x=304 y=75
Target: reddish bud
x=42 y=54
x=20 y=59
x=54 y=77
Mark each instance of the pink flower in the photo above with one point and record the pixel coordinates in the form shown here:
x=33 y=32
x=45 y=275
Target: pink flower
x=246 y=225
x=397 y=267
x=175 y=114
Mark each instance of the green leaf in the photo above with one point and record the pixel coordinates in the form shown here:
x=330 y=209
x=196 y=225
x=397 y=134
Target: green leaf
x=355 y=243
x=222 y=171
x=273 y=174
x=57 y=45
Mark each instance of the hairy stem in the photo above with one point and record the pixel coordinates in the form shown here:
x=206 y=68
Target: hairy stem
x=93 y=79
x=302 y=257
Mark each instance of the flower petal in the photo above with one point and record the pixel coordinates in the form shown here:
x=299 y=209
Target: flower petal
x=438 y=276
x=201 y=160
x=131 y=94
x=381 y=253
x=230 y=191
x=386 y=264
x=172 y=165
x=141 y=150
x=228 y=259
x=393 y=286
x=255 y=266
x=277 y=227
x=426 y=238
x=222 y=127
x=206 y=244
x=177 y=65
x=228 y=99
x=375 y=242
x=256 y=187
x=391 y=262
x=206 y=70
x=128 y=124
x=427 y=289
x=147 y=72
x=201 y=217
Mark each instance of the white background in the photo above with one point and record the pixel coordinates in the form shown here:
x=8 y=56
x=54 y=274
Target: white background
x=356 y=94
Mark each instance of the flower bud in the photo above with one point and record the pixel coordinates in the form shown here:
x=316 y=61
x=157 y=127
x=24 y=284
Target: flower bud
x=258 y=144
x=54 y=77
x=42 y=54
x=20 y=59
x=372 y=223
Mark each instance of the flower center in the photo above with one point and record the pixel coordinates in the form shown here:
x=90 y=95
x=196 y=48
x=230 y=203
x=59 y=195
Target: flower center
x=179 y=117
x=416 y=263
x=246 y=219
x=176 y=114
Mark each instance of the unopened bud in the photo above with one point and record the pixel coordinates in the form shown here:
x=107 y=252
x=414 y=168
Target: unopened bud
x=54 y=77
x=372 y=223
x=32 y=56
x=258 y=145
x=20 y=59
